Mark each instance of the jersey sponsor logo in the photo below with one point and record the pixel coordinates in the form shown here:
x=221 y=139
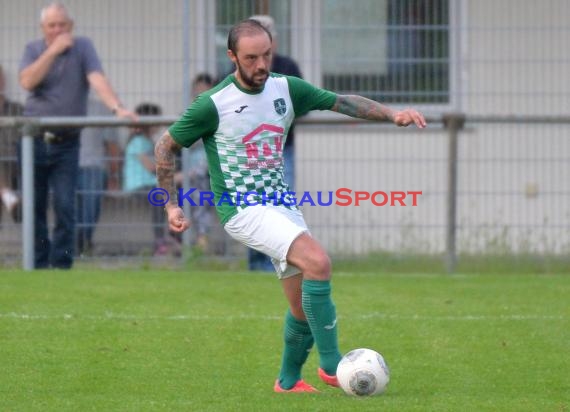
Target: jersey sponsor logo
x=270 y=148
x=280 y=106
x=241 y=108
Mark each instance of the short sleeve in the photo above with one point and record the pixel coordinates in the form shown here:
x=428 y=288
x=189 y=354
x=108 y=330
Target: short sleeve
x=307 y=97
x=199 y=121
x=30 y=55
x=91 y=60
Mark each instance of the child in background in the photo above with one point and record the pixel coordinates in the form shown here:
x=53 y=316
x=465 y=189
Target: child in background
x=139 y=174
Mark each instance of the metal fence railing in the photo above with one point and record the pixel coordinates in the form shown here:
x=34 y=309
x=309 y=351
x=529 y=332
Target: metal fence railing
x=489 y=185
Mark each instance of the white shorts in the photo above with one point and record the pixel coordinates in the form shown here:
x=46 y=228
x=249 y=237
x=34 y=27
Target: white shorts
x=271 y=230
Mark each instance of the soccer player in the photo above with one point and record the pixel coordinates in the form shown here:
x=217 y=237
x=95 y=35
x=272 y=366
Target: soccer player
x=242 y=122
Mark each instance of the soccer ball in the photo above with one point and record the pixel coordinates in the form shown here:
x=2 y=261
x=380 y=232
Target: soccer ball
x=363 y=372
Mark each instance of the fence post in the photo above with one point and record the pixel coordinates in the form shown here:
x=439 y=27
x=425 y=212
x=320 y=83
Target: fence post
x=453 y=122
x=28 y=238
x=186 y=95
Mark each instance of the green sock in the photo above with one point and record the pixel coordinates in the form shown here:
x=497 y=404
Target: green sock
x=321 y=315
x=298 y=344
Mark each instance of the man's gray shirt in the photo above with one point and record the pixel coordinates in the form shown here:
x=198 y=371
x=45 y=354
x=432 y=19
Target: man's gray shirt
x=64 y=90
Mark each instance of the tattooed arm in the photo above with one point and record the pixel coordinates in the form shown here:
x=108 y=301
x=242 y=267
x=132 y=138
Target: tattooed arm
x=164 y=152
x=363 y=108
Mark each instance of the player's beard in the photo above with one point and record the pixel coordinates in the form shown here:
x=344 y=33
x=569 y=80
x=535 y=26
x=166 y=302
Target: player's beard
x=256 y=80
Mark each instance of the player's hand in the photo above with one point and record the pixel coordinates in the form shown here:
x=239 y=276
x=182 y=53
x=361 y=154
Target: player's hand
x=61 y=43
x=409 y=116
x=177 y=222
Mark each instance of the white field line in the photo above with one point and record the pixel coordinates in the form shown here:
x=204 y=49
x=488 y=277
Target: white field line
x=373 y=315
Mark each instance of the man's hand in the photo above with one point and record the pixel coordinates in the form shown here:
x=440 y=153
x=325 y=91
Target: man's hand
x=177 y=222
x=123 y=113
x=409 y=116
x=61 y=43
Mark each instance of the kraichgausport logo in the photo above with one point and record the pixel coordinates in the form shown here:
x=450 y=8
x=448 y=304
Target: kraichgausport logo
x=339 y=197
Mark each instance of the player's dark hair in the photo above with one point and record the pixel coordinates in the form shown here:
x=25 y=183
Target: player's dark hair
x=245 y=27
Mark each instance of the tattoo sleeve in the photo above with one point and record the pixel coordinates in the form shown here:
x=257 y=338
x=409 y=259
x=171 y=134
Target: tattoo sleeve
x=165 y=152
x=362 y=108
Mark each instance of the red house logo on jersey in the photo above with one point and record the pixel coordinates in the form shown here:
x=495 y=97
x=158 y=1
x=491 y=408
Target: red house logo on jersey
x=255 y=148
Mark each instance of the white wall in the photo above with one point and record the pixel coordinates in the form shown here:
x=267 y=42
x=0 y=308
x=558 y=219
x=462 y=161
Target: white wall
x=517 y=57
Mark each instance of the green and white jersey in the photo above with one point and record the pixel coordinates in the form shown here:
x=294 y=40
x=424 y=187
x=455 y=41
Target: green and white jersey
x=244 y=134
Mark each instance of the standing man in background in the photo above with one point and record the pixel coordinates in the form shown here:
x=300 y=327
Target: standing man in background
x=283 y=65
x=58 y=71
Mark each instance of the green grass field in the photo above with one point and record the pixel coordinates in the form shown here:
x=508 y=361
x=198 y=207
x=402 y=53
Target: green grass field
x=157 y=340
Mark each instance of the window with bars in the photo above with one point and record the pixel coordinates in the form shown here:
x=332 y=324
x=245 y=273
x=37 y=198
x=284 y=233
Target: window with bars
x=390 y=50
x=394 y=51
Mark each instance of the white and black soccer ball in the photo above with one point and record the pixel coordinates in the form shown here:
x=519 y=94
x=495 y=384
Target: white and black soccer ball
x=363 y=372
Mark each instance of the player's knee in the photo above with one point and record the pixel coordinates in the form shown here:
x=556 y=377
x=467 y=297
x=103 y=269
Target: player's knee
x=321 y=267
x=326 y=265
